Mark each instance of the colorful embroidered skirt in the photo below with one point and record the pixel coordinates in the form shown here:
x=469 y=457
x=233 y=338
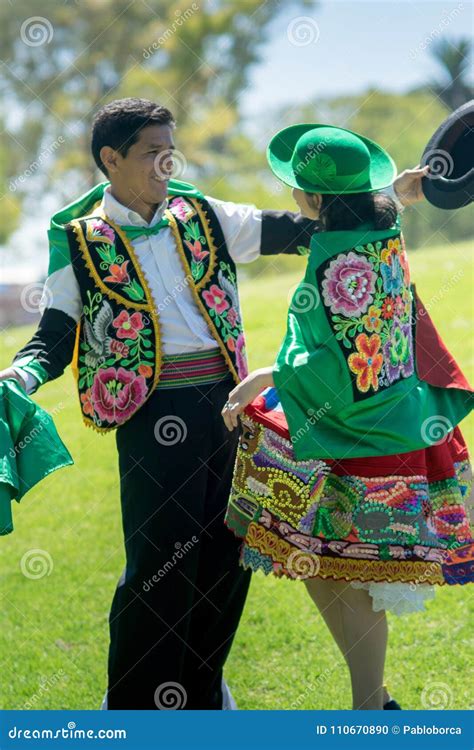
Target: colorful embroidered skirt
x=398 y=518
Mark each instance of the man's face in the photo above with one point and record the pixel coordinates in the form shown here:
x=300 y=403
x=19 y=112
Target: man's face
x=143 y=174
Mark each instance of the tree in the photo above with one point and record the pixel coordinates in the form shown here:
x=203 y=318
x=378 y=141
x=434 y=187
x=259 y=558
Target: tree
x=453 y=58
x=60 y=66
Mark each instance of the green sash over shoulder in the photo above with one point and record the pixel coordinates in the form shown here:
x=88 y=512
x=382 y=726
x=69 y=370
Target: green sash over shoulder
x=347 y=372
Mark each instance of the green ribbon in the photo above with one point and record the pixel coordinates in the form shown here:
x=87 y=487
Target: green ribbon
x=134 y=232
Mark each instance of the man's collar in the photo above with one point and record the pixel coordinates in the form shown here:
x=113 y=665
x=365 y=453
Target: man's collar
x=121 y=214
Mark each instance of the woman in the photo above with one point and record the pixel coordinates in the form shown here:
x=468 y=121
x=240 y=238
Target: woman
x=352 y=473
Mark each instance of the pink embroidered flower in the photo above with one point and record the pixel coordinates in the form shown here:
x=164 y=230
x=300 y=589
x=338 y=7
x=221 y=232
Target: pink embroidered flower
x=86 y=402
x=196 y=248
x=117 y=393
x=232 y=316
x=398 y=306
x=241 y=357
x=128 y=325
x=118 y=348
x=230 y=343
x=103 y=230
x=118 y=274
x=215 y=298
x=349 y=284
x=181 y=209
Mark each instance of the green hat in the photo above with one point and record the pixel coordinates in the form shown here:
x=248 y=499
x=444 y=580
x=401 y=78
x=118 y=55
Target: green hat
x=326 y=159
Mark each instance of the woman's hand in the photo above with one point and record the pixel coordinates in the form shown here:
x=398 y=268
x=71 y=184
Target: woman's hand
x=244 y=394
x=407 y=185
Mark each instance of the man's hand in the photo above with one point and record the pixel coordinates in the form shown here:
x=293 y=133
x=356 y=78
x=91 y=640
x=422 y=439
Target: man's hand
x=407 y=185
x=10 y=373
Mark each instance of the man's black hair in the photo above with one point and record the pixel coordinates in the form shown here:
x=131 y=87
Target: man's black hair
x=118 y=124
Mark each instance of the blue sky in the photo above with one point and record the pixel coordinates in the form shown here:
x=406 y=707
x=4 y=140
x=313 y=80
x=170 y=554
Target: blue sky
x=354 y=44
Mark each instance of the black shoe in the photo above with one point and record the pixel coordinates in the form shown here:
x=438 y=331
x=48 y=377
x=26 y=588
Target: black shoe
x=392 y=705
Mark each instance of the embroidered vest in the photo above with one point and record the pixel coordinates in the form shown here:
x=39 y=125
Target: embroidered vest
x=118 y=355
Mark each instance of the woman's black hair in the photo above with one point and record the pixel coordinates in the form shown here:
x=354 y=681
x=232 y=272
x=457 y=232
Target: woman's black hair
x=344 y=212
x=119 y=123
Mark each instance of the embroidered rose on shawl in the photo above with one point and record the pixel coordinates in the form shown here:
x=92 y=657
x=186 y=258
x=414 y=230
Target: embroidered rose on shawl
x=349 y=284
x=367 y=292
x=117 y=393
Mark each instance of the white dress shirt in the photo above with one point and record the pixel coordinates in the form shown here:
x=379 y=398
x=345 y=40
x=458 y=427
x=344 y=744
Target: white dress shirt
x=183 y=328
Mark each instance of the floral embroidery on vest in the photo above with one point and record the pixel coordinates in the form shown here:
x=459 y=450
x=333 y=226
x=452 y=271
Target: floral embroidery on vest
x=116 y=363
x=216 y=294
x=368 y=301
x=118 y=356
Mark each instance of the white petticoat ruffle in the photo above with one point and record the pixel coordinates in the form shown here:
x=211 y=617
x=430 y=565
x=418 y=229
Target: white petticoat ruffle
x=397 y=598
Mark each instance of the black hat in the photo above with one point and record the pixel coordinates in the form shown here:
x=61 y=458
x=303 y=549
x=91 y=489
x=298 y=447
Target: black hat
x=450 y=155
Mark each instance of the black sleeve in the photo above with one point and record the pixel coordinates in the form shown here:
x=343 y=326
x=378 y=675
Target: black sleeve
x=285 y=231
x=52 y=345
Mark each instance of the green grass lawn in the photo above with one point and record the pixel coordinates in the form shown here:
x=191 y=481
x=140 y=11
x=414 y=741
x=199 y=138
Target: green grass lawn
x=54 y=633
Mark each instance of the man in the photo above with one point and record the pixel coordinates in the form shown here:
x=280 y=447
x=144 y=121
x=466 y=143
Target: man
x=142 y=297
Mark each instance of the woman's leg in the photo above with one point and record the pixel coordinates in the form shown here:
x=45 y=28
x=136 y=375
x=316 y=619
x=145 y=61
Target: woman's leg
x=360 y=633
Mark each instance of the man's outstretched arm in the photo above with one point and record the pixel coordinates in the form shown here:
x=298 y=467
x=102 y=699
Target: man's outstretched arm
x=50 y=350
x=251 y=232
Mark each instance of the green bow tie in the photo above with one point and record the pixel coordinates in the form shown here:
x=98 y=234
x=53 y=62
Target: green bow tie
x=134 y=232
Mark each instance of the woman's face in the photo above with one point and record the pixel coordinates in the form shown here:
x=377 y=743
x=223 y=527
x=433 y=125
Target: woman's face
x=308 y=203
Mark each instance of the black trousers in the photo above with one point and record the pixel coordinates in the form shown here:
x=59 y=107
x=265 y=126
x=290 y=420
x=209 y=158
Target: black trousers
x=179 y=602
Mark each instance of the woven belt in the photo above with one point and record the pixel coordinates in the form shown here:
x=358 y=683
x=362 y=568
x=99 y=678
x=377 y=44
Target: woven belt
x=193 y=368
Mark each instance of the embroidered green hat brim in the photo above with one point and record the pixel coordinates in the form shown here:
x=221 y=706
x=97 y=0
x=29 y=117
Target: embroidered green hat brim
x=325 y=159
